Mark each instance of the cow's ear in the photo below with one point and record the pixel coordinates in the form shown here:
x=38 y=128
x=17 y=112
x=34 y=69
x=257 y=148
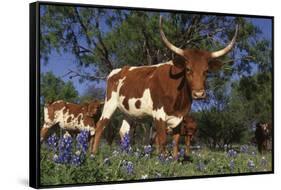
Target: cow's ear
x=179 y=61
x=215 y=65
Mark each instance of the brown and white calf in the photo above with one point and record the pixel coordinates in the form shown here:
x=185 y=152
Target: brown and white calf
x=70 y=117
x=187 y=129
x=163 y=91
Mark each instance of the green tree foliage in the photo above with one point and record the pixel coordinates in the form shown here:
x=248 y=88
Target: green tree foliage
x=53 y=88
x=108 y=39
x=93 y=92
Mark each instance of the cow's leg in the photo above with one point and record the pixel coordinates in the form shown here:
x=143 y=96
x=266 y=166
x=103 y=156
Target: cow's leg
x=187 y=147
x=161 y=136
x=44 y=132
x=95 y=139
x=176 y=138
x=125 y=129
x=108 y=109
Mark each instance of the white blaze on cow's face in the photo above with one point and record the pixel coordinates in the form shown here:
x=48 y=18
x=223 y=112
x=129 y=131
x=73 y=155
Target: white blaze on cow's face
x=196 y=72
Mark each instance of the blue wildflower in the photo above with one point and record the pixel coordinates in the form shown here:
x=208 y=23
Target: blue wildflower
x=161 y=157
x=251 y=164
x=244 y=149
x=65 y=150
x=137 y=153
x=181 y=153
x=52 y=142
x=231 y=165
x=115 y=153
x=263 y=162
x=77 y=159
x=232 y=153
x=125 y=143
x=128 y=166
x=169 y=158
x=82 y=141
x=200 y=166
x=106 y=161
x=147 y=149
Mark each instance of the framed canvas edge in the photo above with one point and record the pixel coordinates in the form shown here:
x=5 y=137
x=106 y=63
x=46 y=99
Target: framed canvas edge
x=34 y=94
x=34 y=107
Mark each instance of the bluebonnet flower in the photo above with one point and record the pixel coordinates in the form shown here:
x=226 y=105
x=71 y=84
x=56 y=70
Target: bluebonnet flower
x=115 y=153
x=65 y=150
x=82 y=141
x=170 y=158
x=128 y=166
x=170 y=145
x=263 y=161
x=106 y=161
x=55 y=157
x=200 y=166
x=225 y=146
x=137 y=153
x=231 y=165
x=232 y=153
x=52 y=142
x=251 y=164
x=147 y=149
x=181 y=153
x=244 y=149
x=125 y=143
x=76 y=160
x=161 y=157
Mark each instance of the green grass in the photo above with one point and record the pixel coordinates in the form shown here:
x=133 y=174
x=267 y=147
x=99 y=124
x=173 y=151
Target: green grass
x=95 y=170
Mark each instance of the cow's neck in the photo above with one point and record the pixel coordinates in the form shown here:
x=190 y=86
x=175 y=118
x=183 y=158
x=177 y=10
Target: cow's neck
x=183 y=99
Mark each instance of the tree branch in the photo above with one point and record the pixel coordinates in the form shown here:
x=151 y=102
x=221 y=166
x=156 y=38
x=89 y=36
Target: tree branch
x=72 y=74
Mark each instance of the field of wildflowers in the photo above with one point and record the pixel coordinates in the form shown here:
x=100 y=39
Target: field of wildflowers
x=66 y=160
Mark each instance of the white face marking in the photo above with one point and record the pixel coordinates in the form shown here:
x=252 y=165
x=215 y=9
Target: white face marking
x=113 y=72
x=125 y=128
x=156 y=65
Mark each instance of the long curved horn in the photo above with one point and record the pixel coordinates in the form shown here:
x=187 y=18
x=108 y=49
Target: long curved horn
x=225 y=50
x=167 y=43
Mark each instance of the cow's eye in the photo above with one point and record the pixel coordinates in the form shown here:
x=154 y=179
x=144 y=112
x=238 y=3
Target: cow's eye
x=188 y=69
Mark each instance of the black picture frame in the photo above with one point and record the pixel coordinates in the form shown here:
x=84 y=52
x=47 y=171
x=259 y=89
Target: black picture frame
x=34 y=98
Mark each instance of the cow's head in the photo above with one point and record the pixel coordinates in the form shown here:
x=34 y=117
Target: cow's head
x=94 y=108
x=197 y=63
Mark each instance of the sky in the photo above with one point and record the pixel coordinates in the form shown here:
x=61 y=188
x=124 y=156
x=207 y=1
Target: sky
x=59 y=64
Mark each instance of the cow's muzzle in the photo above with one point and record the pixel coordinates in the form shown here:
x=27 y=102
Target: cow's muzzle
x=198 y=94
